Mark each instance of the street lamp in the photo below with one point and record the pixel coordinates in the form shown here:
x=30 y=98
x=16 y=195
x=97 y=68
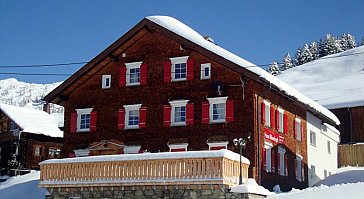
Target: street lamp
x=242 y=144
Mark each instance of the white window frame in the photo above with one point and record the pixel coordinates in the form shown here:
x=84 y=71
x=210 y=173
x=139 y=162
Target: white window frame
x=129 y=66
x=268 y=156
x=37 y=152
x=218 y=144
x=328 y=147
x=216 y=100
x=174 y=104
x=267 y=112
x=282 y=153
x=280 y=119
x=299 y=159
x=313 y=138
x=82 y=112
x=298 y=128
x=128 y=108
x=104 y=80
x=178 y=146
x=174 y=61
x=203 y=67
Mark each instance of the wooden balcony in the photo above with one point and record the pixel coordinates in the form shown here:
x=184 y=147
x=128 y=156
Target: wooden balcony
x=171 y=168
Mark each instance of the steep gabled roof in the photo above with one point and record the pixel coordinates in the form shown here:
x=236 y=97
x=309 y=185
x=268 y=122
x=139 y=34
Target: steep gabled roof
x=185 y=35
x=32 y=121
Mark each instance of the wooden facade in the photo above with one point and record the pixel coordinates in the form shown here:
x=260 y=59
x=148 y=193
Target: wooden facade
x=153 y=46
x=24 y=152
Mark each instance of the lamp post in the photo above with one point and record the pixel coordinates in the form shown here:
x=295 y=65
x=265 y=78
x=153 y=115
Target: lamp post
x=242 y=144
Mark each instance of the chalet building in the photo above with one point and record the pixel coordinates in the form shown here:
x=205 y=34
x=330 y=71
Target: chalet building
x=162 y=87
x=27 y=137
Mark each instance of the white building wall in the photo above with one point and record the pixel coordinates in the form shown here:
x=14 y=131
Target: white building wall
x=318 y=154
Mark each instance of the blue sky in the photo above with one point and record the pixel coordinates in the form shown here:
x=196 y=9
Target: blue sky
x=47 y=32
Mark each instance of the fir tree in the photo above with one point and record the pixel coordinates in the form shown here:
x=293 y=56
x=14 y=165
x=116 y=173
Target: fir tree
x=304 y=55
x=330 y=45
x=287 y=62
x=314 y=50
x=274 y=68
x=347 y=42
x=297 y=60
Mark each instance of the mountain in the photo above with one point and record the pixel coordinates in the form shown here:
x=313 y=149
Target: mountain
x=334 y=81
x=29 y=95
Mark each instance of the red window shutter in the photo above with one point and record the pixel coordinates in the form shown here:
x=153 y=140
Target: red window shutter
x=93 y=119
x=277 y=119
x=229 y=110
x=73 y=123
x=263 y=112
x=273 y=161
x=285 y=124
x=122 y=75
x=213 y=148
x=121 y=118
x=205 y=113
x=272 y=117
x=189 y=113
x=143 y=74
x=264 y=162
x=142 y=117
x=167 y=71
x=190 y=66
x=301 y=126
x=295 y=129
x=167 y=115
x=278 y=163
x=285 y=165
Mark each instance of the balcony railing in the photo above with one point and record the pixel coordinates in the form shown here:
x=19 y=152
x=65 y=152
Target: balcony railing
x=172 y=168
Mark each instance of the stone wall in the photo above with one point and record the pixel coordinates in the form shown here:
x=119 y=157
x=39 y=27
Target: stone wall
x=150 y=192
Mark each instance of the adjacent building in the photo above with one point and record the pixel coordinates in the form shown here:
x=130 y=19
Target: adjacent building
x=163 y=87
x=27 y=137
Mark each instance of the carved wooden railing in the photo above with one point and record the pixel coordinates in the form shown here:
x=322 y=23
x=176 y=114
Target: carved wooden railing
x=172 y=168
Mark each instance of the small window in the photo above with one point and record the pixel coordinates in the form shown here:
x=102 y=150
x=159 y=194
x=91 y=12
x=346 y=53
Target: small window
x=313 y=172
x=328 y=147
x=325 y=173
x=312 y=138
x=133 y=73
x=299 y=168
x=132 y=116
x=106 y=81
x=178 y=113
x=83 y=119
x=268 y=157
x=280 y=119
x=179 y=68
x=267 y=113
x=298 y=128
x=217 y=109
x=206 y=71
x=37 y=150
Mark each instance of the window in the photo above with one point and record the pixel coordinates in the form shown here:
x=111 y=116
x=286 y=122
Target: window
x=280 y=114
x=132 y=116
x=267 y=156
x=217 y=145
x=325 y=173
x=133 y=73
x=217 y=109
x=106 y=81
x=37 y=150
x=83 y=119
x=53 y=152
x=206 y=71
x=178 y=147
x=179 y=68
x=299 y=168
x=328 y=147
x=313 y=172
x=312 y=138
x=266 y=112
x=329 y=173
x=297 y=126
x=178 y=112
x=13 y=126
x=282 y=167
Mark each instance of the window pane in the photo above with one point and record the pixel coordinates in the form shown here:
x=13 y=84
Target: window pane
x=180 y=71
x=134 y=76
x=133 y=118
x=107 y=82
x=207 y=72
x=180 y=114
x=85 y=121
x=218 y=111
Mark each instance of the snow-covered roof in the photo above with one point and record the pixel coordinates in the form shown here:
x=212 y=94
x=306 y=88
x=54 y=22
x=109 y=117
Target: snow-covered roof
x=188 y=33
x=32 y=121
x=152 y=156
x=334 y=81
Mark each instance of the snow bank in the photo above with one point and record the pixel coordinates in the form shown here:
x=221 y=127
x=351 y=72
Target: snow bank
x=152 y=156
x=344 y=175
x=32 y=121
x=191 y=35
x=334 y=81
x=250 y=186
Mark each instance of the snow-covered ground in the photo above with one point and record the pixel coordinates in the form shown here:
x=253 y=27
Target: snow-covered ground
x=334 y=81
x=347 y=183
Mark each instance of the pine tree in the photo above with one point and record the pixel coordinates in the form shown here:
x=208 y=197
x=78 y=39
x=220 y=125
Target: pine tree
x=347 y=42
x=274 y=68
x=330 y=45
x=303 y=55
x=314 y=50
x=287 y=62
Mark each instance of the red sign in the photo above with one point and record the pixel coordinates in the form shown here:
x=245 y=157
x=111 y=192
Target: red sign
x=273 y=136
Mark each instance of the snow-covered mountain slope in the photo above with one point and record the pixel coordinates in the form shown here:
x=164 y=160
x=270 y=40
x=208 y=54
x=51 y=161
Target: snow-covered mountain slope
x=334 y=81
x=27 y=95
